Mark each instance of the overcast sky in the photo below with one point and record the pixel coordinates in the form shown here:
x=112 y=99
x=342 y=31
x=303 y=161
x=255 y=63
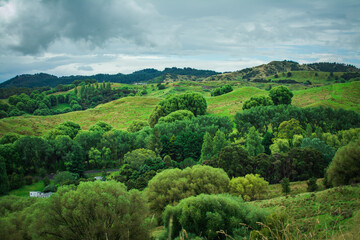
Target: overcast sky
x=85 y=37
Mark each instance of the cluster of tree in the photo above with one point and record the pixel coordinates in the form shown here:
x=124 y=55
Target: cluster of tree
x=42 y=104
x=7 y=92
x=47 y=80
x=222 y=90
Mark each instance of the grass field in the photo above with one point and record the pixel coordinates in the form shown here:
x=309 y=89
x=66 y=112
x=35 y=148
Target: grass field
x=119 y=113
x=329 y=214
x=24 y=190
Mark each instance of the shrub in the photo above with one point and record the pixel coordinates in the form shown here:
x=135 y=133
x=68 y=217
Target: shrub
x=250 y=187
x=312 y=186
x=64 y=178
x=28 y=180
x=205 y=215
x=46 y=181
x=50 y=188
x=285 y=185
x=345 y=167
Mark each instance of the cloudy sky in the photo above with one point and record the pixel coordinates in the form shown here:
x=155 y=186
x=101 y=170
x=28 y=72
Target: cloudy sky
x=68 y=37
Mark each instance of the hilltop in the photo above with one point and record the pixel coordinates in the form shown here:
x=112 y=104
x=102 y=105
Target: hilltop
x=262 y=72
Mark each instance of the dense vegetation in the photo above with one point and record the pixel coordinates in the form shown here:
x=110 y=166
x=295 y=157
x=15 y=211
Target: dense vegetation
x=196 y=174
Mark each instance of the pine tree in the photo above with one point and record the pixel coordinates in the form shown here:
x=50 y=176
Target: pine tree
x=219 y=142
x=207 y=148
x=253 y=142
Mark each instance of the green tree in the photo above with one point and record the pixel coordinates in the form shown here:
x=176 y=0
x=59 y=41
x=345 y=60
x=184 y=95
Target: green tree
x=204 y=216
x=281 y=95
x=95 y=210
x=177 y=116
x=288 y=129
x=327 y=151
x=136 y=126
x=253 y=143
x=207 y=148
x=251 y=187
x=137 y=158
x=345 y=167
x=257 y=101
x=312 y=186
x=285 y=185
x=4 y=181
x=219 y=142
x=280 y=146
x=172 y=185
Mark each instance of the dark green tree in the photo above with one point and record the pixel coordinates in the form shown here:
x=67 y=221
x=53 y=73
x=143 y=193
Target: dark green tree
x=281 y=95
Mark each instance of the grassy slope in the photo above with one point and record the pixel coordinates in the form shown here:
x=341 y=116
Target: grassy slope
x=330 y=214
x=119 y=113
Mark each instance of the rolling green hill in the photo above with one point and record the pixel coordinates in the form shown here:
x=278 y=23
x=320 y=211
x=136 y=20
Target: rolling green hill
x=120 y=113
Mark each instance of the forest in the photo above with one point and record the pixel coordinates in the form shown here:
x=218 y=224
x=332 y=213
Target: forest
x=183 y=173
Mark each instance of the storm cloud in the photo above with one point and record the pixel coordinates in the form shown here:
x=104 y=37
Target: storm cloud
x=89 y=36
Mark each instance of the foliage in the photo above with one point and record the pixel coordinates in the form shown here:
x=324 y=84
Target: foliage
x=234 y=160
x=65 y=177
x=312 y=186
x=137 y=158
x=193 y=102
x=285 y=184
x=345 y=167
x=101 y=210
x=281 y=95
x=50 y=188
x=288 y=129
x=4 y=181
x=251 y=187
x=136 y=126
x=205 y=215
x=172 y=185
x=222 y=90
x=253 y=142
x=280 y=146
x=207 y=148
x=257 y=101
x=177 y=115
x=327 y=151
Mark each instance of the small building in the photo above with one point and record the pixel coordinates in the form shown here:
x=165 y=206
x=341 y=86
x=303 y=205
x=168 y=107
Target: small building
x=39 y=194
x=98 y=178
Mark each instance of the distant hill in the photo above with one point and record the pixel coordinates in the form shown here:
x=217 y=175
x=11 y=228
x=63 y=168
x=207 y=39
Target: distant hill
x=47 y=80
x=275 y=67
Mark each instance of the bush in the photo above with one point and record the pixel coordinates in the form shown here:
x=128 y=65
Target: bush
x=312 y=186
x=345 y=167
x=205 y=215
x=96 y=210
x=172 y=185
x=28 y=180
x=50 y=188
x=285 y=185
x=46 y=181
x=65 y=178
x=250 y=187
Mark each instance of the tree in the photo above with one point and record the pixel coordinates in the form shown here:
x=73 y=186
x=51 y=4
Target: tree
x=285 y=185
x=345 y=167
x=267 y=141
x=193 y=102
x=219 y=142
x=234 y=160
x=4 y=181
x=257 y=101
x=312 y=186
x=172 y=185
x=95 y=210
x=207 y=148
x=280 y=146
x=136 y=126
x=136 y=158
x=253 y=142
x=288 y=129
x=281 y=95
x=204 y=216
x=251 y=187
x=327 y=151
x=176 y=116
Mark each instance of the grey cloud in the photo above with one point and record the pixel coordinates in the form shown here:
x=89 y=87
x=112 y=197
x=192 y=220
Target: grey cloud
x=38 y=24
x=85 y=68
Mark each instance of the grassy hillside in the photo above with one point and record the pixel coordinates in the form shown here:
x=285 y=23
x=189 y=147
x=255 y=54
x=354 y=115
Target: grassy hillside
x=330 y=214
x=119 y=113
